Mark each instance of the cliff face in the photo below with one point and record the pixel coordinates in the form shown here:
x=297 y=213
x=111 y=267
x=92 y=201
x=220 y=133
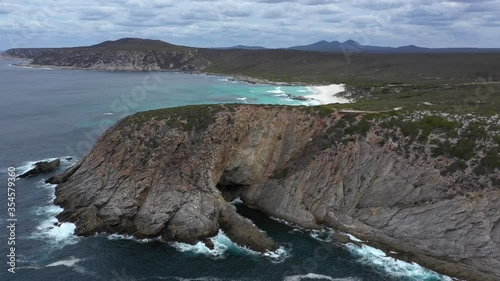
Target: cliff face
x=163 y=173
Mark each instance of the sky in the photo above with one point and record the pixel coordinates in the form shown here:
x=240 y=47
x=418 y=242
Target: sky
x=269 y=23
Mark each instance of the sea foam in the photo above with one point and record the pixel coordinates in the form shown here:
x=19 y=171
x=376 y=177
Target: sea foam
x=317 y=277
x=327 y=94
x=278 y=91
x=377 y=258
x=223 y=245
x=72 y=262
x=50 y=230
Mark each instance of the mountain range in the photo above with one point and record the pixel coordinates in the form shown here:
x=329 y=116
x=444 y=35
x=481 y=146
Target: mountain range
x=352 y=46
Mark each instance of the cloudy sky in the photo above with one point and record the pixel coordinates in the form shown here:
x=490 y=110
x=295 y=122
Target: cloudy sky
x=270 y=23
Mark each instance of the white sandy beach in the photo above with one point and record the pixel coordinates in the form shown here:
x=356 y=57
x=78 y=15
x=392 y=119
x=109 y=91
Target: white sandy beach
x=327 y=94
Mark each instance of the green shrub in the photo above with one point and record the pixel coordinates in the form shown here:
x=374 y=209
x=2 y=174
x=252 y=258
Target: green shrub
x=463 y=149
x=455 y=166
x=489 y=163
x=422 y=128
x=360 y=128
x=475 y=131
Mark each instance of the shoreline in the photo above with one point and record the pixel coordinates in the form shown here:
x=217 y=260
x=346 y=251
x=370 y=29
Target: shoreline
x=328 y=94
x=238 y=77
x=322 y=94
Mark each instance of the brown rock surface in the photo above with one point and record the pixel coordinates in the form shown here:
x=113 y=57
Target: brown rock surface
x=156 y=174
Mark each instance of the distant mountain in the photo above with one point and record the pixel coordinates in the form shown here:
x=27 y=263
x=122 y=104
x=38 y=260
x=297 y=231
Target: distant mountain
x=352 y=46
x=127 y=54
x=243 y=47
x=138 y=44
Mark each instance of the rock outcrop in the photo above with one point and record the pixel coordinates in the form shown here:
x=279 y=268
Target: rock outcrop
x=160 y=173
x=24 y=53
x=42 y=167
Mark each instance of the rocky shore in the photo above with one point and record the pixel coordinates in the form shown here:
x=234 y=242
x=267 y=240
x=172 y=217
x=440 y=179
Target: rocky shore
x=160 y=173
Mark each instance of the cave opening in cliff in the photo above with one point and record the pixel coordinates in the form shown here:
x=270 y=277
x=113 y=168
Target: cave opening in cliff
x=232 y=183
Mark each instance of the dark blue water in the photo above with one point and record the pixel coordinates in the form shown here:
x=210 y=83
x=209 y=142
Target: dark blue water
x=57 y=113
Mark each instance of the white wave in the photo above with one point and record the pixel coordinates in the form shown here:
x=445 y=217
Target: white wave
x=72 y=262
x=68 y=159
x=236 y=201
x=20 y=65
x=196 y=279
x=377 y=258
x=353 y=238
x=108 y=113
x=302 y=91
x=28 y=267
x=69 y=262
x=323 y=234
x=317 y=277
x=279 y=255
x=51 y=210
x=55 y=233
x=115 y=236
x=52 y=196
x=221 y=244
x=328 y=94
x=276 y=90
x=244 y=99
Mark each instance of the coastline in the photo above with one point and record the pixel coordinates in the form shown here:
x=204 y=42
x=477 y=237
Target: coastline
x=238 y=77
x=328 y=94
x=322 y=94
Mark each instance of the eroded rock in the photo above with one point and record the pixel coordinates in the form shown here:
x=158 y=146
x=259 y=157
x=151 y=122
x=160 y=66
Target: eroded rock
x=156 y=174
x=42 y=167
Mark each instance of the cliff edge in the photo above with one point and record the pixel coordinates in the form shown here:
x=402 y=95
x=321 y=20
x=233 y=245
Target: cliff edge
x=164 y=173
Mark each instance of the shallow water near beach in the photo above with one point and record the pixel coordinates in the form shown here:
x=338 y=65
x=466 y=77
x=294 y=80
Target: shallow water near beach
x=59 y=113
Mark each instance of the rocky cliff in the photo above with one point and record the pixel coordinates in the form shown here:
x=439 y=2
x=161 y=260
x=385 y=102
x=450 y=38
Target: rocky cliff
x=24 y=53
x=166 y=173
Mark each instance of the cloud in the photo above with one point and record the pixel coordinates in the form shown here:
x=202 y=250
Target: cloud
x=272 y=23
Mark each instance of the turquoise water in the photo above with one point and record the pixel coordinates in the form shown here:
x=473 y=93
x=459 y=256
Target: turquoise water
x=55 y=113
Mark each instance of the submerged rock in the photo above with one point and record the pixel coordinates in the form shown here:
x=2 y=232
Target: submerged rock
x=157 y=173
x=209 y=244
x=295 y=97
x=341 y=238
x=42 y=167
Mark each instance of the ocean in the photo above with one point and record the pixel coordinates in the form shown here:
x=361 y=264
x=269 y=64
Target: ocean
x=48 y=113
